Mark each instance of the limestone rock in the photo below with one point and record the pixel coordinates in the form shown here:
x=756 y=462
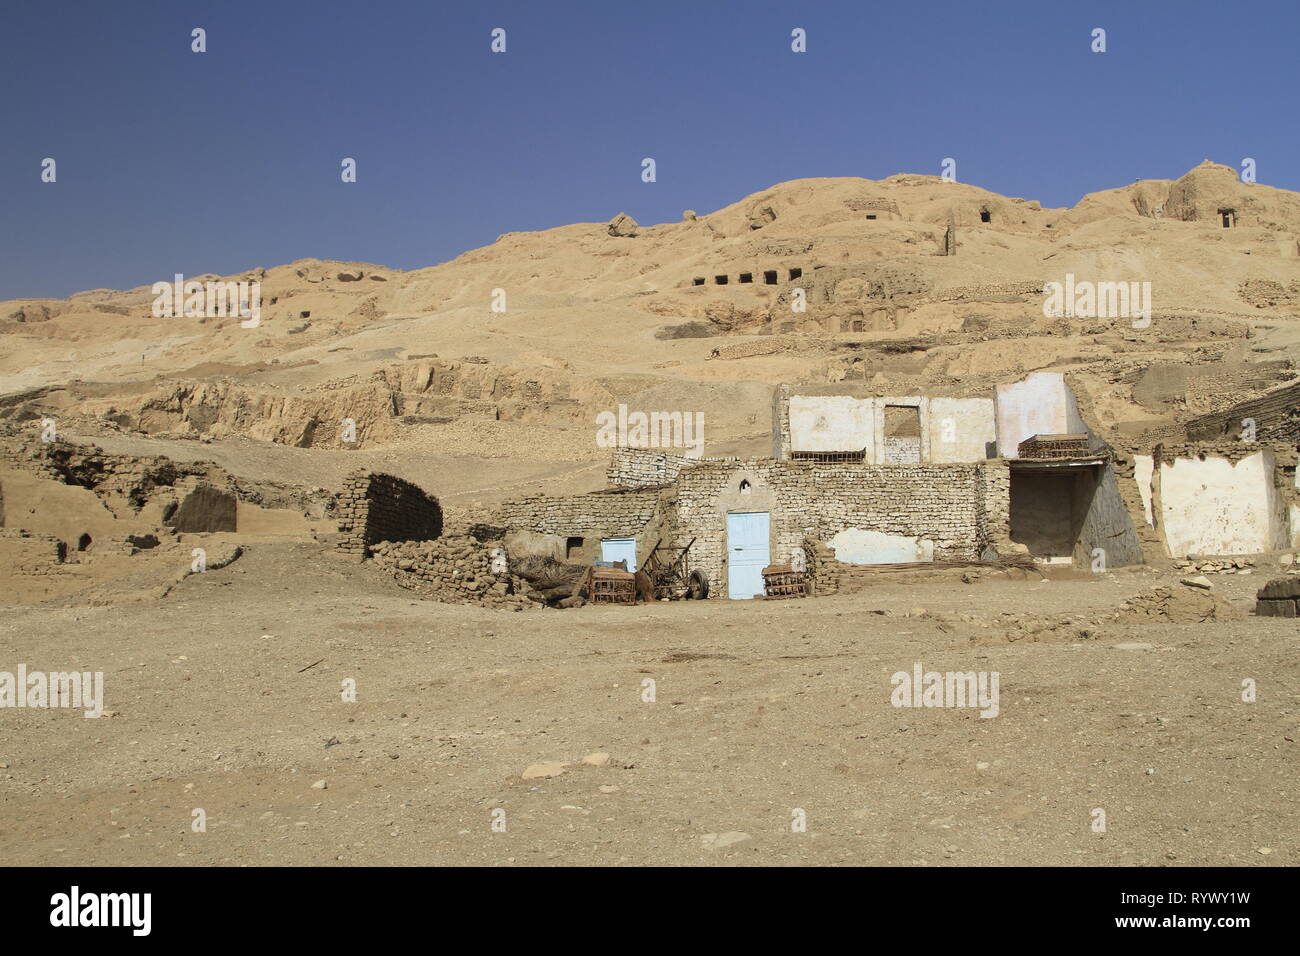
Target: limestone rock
x=543 y=771
x=622 y=225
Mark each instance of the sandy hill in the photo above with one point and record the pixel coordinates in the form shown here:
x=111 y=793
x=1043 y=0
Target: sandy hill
x=482 y=376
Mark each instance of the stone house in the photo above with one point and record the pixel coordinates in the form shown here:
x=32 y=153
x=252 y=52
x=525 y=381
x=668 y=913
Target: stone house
x=877 y=479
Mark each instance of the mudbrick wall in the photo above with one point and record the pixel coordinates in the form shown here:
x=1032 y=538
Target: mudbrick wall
x=1279 y=598
x=1276 y=416
x=136 y=478
x=375 y=507
x=964 y=509
x=88 y=466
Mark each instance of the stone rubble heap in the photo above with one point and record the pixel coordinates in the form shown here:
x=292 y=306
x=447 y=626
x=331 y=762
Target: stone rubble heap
x=1216 y=566
x=457 y=570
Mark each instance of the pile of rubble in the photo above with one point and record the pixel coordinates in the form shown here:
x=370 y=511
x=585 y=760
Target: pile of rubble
x=1215 y=565
x=1189 y=602
x=457 y=570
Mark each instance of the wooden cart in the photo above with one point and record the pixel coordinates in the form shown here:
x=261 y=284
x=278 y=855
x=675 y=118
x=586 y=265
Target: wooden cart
x=668 y=570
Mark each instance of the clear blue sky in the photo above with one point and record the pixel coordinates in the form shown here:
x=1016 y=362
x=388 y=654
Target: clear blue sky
x=171 y=161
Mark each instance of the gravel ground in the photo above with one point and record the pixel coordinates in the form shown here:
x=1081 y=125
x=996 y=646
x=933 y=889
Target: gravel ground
x=226 y=697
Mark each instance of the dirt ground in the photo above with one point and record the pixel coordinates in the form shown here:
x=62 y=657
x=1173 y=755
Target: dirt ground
x=226 y=697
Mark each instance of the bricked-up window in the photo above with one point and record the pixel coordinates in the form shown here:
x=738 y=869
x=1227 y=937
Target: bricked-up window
x=744 y=487
x=573 y=548
x=902 y=435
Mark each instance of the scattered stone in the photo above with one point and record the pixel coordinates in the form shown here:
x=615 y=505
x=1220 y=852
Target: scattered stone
x=596 y=760
x=1200 y=581
x=543 y=771
x=716 y=841
x=320 y=785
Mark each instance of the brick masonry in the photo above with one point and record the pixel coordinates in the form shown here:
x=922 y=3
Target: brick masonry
x=613 y=514
x=376 y=507
x=1279 y=598
x=648 y=468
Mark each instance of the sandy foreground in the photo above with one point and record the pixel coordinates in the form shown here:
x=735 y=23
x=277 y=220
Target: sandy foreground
x=226 y=697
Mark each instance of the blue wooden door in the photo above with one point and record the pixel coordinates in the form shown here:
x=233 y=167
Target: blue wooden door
x=619 y=549
x=747 y=554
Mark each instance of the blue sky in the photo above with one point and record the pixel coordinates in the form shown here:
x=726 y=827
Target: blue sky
x=171 y=161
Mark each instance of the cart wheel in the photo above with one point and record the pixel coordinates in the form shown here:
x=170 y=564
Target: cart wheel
x=699 y=586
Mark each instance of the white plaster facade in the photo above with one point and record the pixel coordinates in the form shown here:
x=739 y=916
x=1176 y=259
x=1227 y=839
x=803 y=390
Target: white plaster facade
x=1216 y=506
x=1042 y=404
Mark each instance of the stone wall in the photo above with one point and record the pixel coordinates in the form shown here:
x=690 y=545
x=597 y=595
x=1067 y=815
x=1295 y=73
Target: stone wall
x=646 y=467
x=614 y=513
x=993 y=508
x=962 y=509
x=375 y=507
x=571 y=527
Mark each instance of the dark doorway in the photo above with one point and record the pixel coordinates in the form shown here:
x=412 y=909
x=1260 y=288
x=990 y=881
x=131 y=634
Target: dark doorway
x=747 y=277
x=985 y=216
x=1043 y=512
x=769 y=277
x=699 y=280
x=795 y=273
x=720 y=280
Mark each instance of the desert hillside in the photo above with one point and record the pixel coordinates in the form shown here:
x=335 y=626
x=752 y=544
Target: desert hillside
x=481 y=377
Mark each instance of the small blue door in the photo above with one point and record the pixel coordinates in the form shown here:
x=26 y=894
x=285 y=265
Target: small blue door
x=747 y=554
x=619 y=549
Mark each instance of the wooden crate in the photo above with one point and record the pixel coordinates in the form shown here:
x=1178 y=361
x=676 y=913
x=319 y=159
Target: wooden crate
x=783 y=581
x=611 y=586
x=1054 y=446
